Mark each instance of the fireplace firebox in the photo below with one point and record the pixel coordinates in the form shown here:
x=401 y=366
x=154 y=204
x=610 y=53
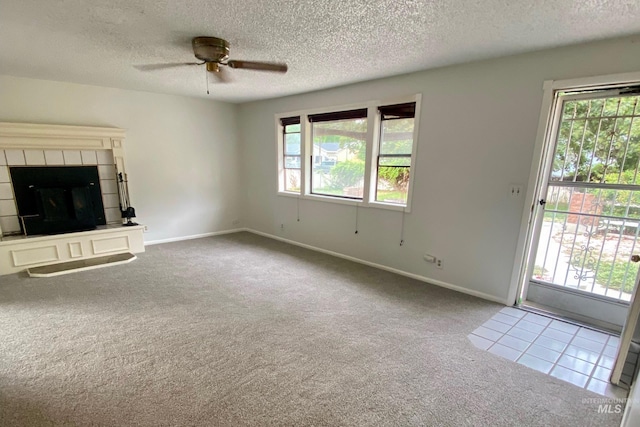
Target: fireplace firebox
x=57 y=199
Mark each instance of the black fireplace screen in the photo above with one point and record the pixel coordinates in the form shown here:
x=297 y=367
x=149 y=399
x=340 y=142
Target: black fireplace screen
x=58 y=199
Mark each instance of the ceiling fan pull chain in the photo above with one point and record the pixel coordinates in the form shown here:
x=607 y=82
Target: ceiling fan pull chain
x=206 y=77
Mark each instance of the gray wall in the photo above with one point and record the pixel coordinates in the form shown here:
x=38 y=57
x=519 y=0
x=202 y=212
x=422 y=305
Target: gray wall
x=197 y=165
x=477 y=133
x=181 y=153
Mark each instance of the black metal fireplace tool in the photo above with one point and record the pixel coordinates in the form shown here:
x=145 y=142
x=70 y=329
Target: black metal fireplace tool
x=126 y=209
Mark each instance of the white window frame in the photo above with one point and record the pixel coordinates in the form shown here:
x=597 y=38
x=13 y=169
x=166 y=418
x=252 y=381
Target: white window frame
x=372 y=146
x=281 y=155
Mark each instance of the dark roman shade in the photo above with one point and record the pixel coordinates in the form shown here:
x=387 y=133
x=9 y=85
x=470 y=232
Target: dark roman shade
x=340 y=115
x=286 y=121
x=398 y=111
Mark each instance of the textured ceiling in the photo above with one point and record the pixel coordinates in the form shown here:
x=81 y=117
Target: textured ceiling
x=326 y=43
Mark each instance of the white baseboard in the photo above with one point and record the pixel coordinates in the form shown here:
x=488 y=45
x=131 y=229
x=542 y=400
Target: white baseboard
x=384 y=267
x=194 y=236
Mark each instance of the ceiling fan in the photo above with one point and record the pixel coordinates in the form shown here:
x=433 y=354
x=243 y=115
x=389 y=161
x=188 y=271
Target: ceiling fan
x=214 y=54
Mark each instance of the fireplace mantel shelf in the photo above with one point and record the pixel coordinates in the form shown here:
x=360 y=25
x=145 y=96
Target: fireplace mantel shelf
x=12 y=240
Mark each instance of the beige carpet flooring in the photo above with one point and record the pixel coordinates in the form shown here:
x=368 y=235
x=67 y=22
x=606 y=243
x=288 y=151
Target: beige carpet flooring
x=242 y=330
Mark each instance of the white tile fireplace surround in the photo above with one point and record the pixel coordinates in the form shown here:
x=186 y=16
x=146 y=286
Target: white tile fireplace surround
x=54 y=145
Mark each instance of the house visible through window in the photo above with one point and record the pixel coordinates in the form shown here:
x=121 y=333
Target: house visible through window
x=291 y=151
x=339 y=153
x=394 y=152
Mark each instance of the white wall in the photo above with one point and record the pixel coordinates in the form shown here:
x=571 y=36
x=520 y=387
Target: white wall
x=477 y=133
x=181 y=153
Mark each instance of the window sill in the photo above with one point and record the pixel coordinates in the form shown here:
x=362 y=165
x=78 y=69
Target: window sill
x=289 y=194
x=329 y=199
x=389 y=206
x=349 y=202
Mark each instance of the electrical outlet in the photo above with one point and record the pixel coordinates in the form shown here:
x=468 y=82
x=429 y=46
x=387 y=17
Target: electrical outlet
x=235 y=222
x=145 y=229
x=282 y=228
x=439 y=263
x=515 y=190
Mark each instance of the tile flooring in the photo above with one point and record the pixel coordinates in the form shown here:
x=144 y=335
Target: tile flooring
x=575 y=354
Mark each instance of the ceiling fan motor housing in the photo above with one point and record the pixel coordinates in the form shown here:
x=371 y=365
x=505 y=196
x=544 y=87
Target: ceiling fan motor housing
x=210 y=49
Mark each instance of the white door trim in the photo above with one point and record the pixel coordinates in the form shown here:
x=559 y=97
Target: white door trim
x=519 y=274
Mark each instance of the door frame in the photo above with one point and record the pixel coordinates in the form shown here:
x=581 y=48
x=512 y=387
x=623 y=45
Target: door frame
x=521 y=267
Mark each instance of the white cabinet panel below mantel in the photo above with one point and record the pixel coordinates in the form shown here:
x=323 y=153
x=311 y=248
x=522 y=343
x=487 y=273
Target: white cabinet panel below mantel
x=20 y=253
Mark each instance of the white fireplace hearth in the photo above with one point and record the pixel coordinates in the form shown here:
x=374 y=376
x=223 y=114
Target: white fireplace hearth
x=24 y=144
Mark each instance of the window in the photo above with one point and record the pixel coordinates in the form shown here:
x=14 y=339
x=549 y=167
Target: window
x=360 y=155
x=291 y=152
x=394 y=152
x=339 y=153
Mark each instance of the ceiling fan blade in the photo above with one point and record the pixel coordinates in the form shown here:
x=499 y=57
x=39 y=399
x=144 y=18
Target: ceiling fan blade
x=155 y=67
x=259 y=66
